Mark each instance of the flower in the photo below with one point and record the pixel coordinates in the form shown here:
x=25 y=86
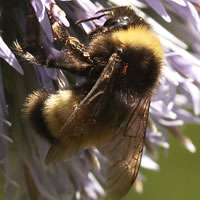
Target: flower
x=177 y=94
x=9 y=57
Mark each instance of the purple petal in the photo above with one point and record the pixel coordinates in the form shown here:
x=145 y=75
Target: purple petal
x=195 y=95
x=163 y=101
x=189 y=145
x=186 y=116
x=183 y=139
x=57 y=12
x=187 y=12
x=181 y=100
x=166 y=92
x=164 y=34
x=39 y=7
x=171 y=123
x=9 y=57
x=157 y=138
x=136 y=3
x=195 y=15
x=180 y=2
x=89 y=7
x=148 y=163
x=42 y=76
x=86 y=9
x=52 y=73
x=160 y=109
x=195 y=1
x=186 y=67
x=93 y=188
x=158 y=7
x=172 y=76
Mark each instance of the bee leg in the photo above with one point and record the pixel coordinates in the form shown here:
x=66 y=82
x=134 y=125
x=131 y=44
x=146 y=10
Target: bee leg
x=77 y=48
x=37 y=50
x=73 y=47
x=74 y=51
x=74 y=58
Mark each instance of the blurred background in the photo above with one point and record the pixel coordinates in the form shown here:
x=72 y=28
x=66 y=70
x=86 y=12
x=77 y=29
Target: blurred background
x=179 y=175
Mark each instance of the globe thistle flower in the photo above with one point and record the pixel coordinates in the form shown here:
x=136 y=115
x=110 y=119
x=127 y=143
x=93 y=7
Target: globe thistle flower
x=175 y=102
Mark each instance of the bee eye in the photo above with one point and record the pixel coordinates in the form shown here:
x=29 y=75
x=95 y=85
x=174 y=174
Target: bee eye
x=111 y=22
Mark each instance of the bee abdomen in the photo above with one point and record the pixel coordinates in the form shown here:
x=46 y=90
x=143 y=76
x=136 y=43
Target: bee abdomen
x=33 y=111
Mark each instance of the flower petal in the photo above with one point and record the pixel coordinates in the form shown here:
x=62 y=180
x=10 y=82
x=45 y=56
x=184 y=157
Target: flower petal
x=159 y=8
x=9 y=57
x=194 y=93
x=39 y=7
x=57 y=12
x=148 y=163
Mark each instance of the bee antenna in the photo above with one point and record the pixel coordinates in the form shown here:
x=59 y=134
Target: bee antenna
x=89 y=19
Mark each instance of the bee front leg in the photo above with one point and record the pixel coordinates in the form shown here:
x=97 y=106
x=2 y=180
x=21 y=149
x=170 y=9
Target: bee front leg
x=75 y=46
x=74 y=58
x=37 y=50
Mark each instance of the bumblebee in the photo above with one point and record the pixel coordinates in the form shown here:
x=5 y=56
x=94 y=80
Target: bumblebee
x=121 y=64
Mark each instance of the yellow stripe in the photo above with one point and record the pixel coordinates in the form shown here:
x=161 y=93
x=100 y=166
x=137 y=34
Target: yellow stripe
x=57 y=109
x=140 y=36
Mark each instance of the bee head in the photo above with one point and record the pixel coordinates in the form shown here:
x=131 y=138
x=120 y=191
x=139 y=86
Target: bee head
x=123 y=18
x=119 y=18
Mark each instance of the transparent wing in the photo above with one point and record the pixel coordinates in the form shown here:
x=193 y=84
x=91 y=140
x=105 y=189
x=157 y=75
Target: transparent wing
x=74 y=134
x=124 y=151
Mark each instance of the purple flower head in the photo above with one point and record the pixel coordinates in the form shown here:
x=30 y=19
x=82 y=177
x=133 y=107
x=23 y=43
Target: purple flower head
x=177 y=94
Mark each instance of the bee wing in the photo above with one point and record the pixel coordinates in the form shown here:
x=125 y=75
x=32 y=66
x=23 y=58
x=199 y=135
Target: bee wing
x=124 y=151
x=73 y=136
